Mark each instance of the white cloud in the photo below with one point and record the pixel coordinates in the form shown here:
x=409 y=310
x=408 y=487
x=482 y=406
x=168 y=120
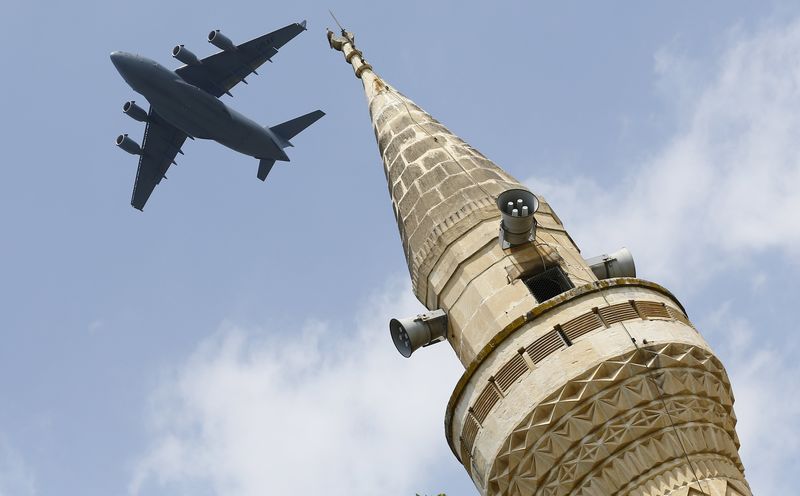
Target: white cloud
x=724 y=189
x=764 y=377
x=312 y=410
x=16 y=478
x=725 y=186
x=321 y=410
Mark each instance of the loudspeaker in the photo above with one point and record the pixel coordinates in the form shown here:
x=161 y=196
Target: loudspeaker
x=617 y=264
x=518 y=225
x=413 y=333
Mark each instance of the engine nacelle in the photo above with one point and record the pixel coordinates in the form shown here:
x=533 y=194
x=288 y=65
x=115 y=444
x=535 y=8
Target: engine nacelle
x=134 y=111
x=128 y=145
x=183 y=54
x=221 y=41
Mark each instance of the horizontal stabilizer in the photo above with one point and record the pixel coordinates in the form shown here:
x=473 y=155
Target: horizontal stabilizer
x=292 y=128
x=264 y=166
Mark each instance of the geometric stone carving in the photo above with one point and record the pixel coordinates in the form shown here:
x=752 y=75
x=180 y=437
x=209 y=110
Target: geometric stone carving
x=716 y=472
x=651 y=421
x=549 y=343
x=605 y=430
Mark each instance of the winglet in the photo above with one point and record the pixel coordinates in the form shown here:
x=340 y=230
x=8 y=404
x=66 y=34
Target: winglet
x=303 y=25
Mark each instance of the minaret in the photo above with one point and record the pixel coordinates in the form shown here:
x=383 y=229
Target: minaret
x=580 y=378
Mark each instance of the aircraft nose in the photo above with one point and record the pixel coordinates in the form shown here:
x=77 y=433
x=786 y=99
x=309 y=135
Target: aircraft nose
x=116 y=57
x=120 y=59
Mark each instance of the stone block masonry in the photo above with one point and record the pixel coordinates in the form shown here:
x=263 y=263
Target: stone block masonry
x=603 y=387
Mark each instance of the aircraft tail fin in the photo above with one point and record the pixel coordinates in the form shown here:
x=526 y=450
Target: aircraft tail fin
x=264 y=166
x=291 y=128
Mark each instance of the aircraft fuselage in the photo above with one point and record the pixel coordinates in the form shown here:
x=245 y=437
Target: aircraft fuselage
x=194 y=111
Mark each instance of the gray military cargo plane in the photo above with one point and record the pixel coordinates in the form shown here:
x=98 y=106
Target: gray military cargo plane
x=185 y=103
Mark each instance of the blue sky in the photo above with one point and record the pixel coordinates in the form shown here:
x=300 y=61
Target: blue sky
x=229 y=340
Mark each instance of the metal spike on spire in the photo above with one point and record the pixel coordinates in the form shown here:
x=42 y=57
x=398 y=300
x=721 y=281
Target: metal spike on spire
x=337 y=21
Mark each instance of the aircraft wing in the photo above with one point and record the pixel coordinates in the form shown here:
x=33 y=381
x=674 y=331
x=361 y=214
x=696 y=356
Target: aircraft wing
x=162 y=142
x=218 y=73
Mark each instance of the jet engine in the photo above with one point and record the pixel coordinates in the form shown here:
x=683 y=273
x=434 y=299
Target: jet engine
x=221 y=41
x=183 y=54
x=134 y=111
x=128 y=145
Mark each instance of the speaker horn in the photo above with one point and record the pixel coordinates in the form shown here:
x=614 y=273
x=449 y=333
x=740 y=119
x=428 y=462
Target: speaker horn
x=413 y=333
x=518 y=225
x=617 y=264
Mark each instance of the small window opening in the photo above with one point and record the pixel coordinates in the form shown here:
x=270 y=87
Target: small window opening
x=548 y=284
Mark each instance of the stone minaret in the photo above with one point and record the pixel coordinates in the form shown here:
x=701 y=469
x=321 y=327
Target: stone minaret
x=574 y=385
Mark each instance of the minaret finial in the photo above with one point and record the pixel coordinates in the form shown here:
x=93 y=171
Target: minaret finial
x=336 y=21
x=346 y=43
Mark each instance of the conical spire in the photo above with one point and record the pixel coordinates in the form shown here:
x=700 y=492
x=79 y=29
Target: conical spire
x=440 y=186
x=540 y=335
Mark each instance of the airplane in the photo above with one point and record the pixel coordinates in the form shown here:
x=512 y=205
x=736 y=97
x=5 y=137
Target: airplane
x=185 y=104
